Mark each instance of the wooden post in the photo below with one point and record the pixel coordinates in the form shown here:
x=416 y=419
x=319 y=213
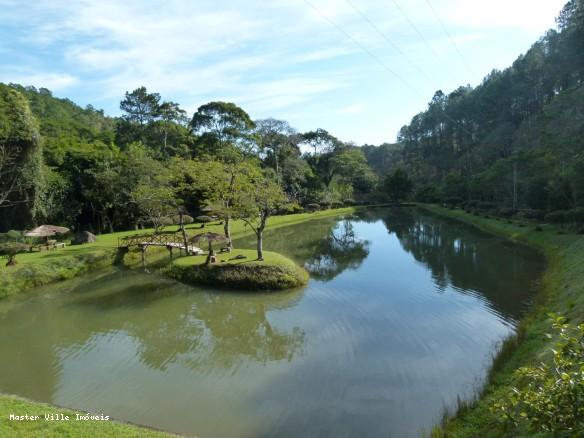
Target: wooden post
x=170 y=248
x=143 y=254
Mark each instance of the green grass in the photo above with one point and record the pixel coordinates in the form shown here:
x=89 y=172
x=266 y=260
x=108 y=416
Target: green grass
x=41 y=268
x=561 y=291
x=273 y=273
x=57 y=429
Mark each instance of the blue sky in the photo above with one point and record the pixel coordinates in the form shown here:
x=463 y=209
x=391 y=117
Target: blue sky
x=358 y=68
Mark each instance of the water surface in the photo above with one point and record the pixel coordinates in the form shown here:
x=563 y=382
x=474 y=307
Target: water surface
x=401 y=316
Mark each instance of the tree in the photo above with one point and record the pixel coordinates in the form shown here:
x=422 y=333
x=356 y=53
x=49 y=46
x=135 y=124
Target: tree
x=398 y=185
x=170 y=113
x=220 y=125
x=140 y=106
x=276 y=140
x=220 y=184
x=321 y=141
x=10 y=250
x=259 y=199
x=21 y=164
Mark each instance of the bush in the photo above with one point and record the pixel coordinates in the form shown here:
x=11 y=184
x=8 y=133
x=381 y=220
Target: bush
x=575 y=216
x=550 y=399
x=536 y=215
x=349 y=202
x=313 y=207
x=556 y=217
x=486 y=205
x=506 y=212
x=203 y=220
x=453 y=202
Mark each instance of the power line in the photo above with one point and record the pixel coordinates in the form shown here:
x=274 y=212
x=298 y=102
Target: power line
x=388 y=40
x=363 y=48
x=413 y=25
x=466 y=64
x=377 y=59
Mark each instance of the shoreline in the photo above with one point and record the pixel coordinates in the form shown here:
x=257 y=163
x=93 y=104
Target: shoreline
x=36 y=269
x=561 y=291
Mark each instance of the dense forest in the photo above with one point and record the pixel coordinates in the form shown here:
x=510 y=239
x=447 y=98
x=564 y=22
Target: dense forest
x=514 y=142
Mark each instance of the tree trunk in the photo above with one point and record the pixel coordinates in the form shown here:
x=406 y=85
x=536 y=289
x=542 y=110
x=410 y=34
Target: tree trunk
x=260 y=248
x=208 y=261
x=260 y=236
x=227 y=231
x=184 y=232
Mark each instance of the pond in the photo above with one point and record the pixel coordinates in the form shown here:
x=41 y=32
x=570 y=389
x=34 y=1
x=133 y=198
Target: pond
x=401 y=316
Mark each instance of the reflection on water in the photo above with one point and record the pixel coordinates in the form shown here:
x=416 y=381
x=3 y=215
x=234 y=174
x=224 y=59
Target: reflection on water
x=400 y=317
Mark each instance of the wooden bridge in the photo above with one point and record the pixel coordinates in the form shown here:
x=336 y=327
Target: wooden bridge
x=168 y=240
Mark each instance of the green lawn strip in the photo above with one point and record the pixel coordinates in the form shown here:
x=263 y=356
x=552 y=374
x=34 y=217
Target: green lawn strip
x=72 y=428
x=41 y=268
x=233 y=271
x=561 y=291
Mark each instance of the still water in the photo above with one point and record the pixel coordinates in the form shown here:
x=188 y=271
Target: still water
x=401 y=316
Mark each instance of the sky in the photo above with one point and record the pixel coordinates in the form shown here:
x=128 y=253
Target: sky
x=360 y=69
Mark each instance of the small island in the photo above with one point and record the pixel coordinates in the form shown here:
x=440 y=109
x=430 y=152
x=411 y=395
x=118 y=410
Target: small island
x=240 y=269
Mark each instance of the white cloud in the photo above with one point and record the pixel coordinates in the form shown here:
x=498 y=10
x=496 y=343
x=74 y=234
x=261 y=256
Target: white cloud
x=52 y=81
x=353 y=109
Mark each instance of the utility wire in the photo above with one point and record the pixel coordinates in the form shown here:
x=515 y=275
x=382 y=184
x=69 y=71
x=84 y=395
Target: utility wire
x=363 y=48
x=466 y=64
x=413 y=25
x=389 y=41
x=378 y=60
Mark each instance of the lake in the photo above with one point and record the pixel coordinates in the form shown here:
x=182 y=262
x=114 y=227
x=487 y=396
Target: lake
x=402 y=315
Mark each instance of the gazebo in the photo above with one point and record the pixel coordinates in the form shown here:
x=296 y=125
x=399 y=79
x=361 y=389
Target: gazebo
x=210 y=238
x=46 y=231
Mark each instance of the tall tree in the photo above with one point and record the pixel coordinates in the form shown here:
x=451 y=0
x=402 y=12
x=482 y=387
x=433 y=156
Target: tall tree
x=21 y=165
x=259 y=199
x=222 y=125
x=140 y=106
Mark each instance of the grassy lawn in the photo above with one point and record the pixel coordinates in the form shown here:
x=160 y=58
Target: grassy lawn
x=107 y=242
x=562 y=291
x=240 y=269
x=72 y=428
x=231 y=258
x=41 y=268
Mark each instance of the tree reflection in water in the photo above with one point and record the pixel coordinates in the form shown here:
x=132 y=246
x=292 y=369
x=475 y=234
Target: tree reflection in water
x=338 y=251
x=470 y=261
x=326 y=248
x=167 y=323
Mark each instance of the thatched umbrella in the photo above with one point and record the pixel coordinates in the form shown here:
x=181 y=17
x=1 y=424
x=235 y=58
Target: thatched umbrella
x=46 y=231
x=210 y=238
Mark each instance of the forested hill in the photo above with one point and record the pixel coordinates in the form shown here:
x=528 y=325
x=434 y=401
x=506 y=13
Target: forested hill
x=517 y=139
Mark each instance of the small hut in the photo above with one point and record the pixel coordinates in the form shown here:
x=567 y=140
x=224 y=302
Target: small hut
x=211 y=238
x=46 y=231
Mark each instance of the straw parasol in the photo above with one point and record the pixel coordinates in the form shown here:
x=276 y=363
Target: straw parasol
x=46 y=231
x=210 y=238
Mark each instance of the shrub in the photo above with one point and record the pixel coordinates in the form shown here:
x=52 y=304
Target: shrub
x=556 y=217
x=313 y=207
x=10 y=250
x=506 y=212
x=165 y=221
x=550 y=399
x=537 y=215
x=486 y=205
x=575 y=216
x=349 y=202
x=203 y=220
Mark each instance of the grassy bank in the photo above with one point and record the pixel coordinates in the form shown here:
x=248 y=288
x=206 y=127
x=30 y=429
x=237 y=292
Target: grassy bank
x=562 y=291
x=240 y=269
x=38 y=269
x=72 y=428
